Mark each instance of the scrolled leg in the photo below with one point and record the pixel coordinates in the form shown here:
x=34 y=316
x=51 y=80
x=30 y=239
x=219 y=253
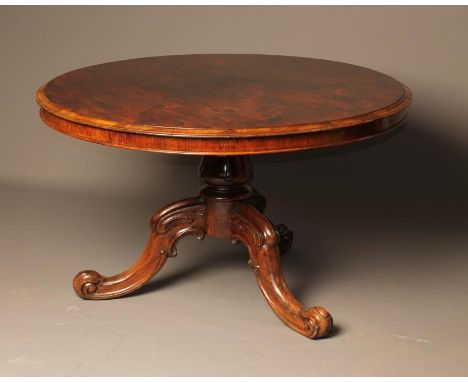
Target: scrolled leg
x=261 y=239
x=167 y=226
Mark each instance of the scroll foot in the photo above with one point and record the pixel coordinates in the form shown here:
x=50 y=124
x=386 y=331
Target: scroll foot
x=167 y=227
x=262 y=241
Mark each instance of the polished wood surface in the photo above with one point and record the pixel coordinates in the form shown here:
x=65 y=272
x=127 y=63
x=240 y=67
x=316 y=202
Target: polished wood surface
x=225 y=146
x=223 y=107
x=244 y=104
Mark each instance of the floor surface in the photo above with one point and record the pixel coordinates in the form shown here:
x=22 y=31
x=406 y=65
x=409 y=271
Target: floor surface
x=396 y=286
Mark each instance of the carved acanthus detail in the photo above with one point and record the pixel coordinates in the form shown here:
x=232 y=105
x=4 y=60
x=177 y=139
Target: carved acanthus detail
x=171 y=248
x=247 y=227
x=242 y=227
x=184 y=216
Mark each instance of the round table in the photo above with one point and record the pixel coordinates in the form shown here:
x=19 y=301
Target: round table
x=223 y=107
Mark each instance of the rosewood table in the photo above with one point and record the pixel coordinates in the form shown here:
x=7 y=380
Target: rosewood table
x=224 y=108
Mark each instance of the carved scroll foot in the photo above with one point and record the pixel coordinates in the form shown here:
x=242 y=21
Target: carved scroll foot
x=167 y=226
x=260 y=237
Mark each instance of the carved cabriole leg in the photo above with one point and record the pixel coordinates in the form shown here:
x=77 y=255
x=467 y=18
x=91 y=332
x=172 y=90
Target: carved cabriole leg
x=261 y=240
x=168 y=225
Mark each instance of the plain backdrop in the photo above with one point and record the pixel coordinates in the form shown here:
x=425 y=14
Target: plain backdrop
x=380 y=228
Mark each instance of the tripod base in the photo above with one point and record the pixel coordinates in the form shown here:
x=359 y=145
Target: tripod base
x=226 y=208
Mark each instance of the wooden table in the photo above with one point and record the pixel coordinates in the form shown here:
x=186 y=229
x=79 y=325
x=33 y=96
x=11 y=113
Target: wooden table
x=223 y=107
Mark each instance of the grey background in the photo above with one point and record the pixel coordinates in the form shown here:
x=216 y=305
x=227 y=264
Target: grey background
x=380 y=228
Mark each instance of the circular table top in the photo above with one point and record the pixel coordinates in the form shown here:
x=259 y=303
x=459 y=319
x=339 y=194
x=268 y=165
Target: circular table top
x=223 y=104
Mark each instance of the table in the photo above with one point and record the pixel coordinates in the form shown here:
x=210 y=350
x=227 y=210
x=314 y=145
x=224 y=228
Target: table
x=223 y=107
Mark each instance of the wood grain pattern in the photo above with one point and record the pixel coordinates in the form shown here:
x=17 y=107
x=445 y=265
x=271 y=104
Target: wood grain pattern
x=225 y=146
x=223 y=107
x=237 y=104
